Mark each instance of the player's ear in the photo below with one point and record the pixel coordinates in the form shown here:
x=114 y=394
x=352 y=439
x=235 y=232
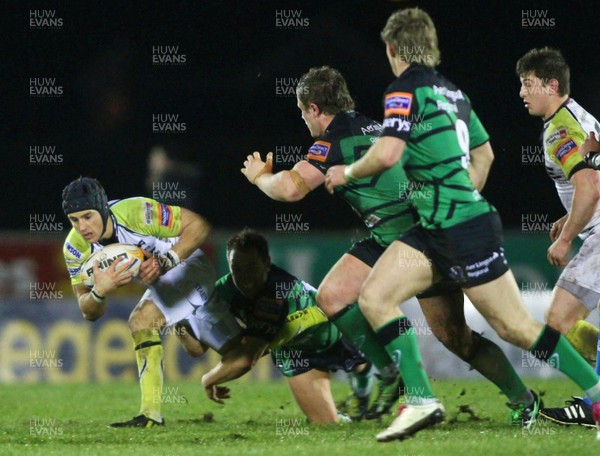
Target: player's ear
x=553 y=85
x=314 y=109
x=390 y=51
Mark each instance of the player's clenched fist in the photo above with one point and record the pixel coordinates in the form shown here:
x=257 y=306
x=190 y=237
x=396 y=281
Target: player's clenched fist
x=254 y=167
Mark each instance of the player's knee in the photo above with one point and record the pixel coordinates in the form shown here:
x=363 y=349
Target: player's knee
x=145 y=316
x=562 y=325
x=368 y=301
x=455 y=340
x=326 y=300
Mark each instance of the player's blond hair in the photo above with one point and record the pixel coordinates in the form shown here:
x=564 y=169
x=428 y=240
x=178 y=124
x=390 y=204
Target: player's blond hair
x=411 y=33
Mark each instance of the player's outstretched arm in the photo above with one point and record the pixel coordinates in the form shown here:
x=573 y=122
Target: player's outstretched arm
x=235 y=363
x=286 y=186
x=481 y=162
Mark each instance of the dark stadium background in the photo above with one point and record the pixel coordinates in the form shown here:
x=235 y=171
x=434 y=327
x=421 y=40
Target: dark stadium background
x=226 y=93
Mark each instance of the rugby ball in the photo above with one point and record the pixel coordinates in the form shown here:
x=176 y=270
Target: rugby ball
x=132 y=255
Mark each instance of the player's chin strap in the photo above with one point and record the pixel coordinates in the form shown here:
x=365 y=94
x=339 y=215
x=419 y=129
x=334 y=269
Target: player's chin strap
x=104 y=227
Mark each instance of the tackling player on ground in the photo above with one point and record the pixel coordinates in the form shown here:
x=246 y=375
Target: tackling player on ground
x=342 y=136
x=545 y=88
x=178 y=276
x=459 y=235
x=279 y=313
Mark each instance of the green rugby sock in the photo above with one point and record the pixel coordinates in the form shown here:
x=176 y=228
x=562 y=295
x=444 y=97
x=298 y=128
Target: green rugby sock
x=553 y=348
x=362 y=382
x=355 y=327
x=491 y=362
x=400 y=341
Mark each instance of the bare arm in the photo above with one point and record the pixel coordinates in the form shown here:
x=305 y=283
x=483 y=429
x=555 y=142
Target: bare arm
x=287 y=186
x=382 y=155
x=233 y=364
x=105 y=283
x=481 y=162
x=583 y=207
x=194 y=230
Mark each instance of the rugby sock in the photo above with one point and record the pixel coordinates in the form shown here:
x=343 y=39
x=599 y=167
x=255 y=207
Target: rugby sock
x=553 y=348
x=355 y=327
x=362 y=382
x=587 y=399
x=491 y=362
x=583 y=336
x=149 y=355
x=399 y=339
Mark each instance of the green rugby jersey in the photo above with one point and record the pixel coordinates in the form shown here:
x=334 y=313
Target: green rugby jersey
x=265 y=316
x=439 y=126
x=380 y=201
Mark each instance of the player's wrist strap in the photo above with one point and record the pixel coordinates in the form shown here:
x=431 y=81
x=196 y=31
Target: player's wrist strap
x=96 y=297
x=173 y=258
x=593 y=159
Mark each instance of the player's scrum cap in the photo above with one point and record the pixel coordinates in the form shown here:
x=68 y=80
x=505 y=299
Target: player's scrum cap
x=85 y=193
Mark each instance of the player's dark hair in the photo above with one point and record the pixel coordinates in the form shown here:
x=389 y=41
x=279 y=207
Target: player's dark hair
x=546 y=63
x=412 y=35
x=325 y=87
x=248 y=239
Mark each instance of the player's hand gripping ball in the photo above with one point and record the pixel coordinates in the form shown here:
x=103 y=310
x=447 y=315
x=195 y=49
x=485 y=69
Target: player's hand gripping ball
x=132 y=258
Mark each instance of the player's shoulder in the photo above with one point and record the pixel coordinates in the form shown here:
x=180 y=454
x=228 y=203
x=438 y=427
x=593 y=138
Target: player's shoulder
x=75 y=247
x=349 y=124
x=412 y=78
x=279 y=275
x=565 y=124
x=137 y=213
x=130 y=205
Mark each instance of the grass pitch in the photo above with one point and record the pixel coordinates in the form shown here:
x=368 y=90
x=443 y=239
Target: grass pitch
x=261 y=418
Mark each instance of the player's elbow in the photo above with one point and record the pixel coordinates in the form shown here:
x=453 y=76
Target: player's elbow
x=91 y=316
x=292 y=195
x=388 y=158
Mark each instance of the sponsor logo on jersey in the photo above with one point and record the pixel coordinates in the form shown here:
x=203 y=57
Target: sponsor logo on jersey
x=73 y=272
x=565 y=150
x=446 y=106
x=166 y=215
x=147 y=208
x=398 y=103
x=374 y=128
x=73 y=251
x=397 y=123
x=451 y=95
x=556 y=135
x=319 y=150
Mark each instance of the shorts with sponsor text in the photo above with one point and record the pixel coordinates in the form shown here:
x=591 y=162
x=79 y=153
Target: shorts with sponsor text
x=368 y=251
x=467 y=254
